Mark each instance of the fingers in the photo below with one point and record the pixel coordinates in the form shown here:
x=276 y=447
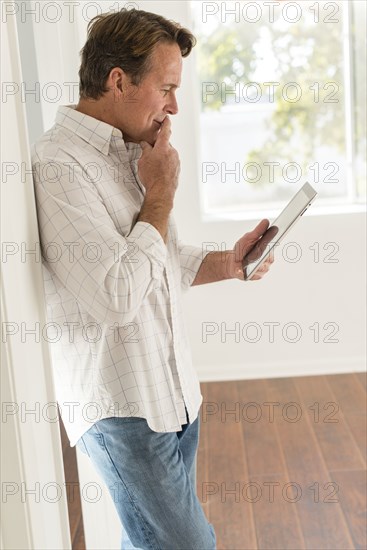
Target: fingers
x=259 y=230
x=165 y=133
x=263 y=270
x=255 y=235
x=252 y=243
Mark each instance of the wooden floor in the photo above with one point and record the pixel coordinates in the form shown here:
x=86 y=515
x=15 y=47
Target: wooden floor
x=281 y=464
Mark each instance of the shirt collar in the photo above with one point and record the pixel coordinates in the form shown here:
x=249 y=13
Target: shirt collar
x=99 y=134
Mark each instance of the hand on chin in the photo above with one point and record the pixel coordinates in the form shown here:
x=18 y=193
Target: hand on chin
x=152 y=137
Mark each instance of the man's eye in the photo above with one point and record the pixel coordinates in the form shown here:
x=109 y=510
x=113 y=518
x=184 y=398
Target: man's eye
x=165 y=92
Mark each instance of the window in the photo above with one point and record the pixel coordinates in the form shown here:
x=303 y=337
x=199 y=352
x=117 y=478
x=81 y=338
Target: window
x=283 y=99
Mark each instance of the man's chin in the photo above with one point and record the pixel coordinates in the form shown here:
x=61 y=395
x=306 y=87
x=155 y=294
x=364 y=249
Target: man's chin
x=149 y=137
x=152 y=138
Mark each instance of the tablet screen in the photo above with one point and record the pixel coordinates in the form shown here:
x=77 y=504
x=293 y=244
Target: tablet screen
x=278 y=229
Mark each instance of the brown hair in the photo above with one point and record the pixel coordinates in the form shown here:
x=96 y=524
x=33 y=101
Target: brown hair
x=125 y=39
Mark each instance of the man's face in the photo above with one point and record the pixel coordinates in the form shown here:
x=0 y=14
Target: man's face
x=143 y=108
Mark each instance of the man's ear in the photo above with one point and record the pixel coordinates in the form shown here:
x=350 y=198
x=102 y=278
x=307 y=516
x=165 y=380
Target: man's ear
x=117 y=81
x=120 y=84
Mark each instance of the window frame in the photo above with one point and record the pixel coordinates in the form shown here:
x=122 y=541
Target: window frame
x=351 y=202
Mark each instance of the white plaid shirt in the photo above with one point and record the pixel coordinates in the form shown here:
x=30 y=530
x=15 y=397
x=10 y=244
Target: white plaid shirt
x=112 y=286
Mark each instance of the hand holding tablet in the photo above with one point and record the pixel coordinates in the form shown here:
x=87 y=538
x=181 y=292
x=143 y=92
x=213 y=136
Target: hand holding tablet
x=277 y=230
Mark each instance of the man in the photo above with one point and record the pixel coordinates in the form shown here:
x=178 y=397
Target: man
x=105 y=182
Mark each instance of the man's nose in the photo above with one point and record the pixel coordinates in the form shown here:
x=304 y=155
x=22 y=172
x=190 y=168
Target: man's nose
x=172 y=106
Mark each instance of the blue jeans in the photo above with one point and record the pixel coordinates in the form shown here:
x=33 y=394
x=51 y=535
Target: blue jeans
x=152 y=479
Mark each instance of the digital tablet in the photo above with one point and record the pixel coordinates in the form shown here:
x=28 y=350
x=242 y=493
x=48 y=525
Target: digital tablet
x=277 y=230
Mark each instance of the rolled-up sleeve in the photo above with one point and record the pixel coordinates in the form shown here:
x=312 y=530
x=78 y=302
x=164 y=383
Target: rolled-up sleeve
x=108 y=273
x=191 y=258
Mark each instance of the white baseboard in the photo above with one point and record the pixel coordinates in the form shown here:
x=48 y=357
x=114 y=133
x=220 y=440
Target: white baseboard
x=219 y=373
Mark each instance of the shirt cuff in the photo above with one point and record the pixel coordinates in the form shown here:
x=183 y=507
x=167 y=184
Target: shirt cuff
x=191 y=258
x=150 y=243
